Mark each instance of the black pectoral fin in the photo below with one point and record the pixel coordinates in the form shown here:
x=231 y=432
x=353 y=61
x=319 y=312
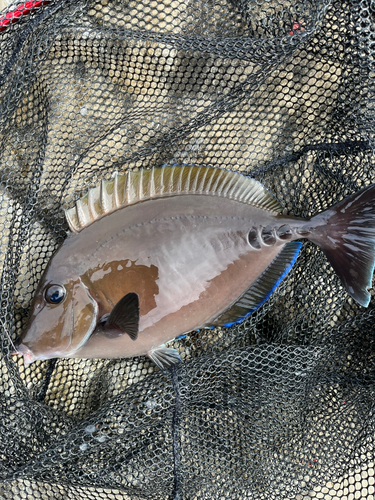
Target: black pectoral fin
x=125 y=316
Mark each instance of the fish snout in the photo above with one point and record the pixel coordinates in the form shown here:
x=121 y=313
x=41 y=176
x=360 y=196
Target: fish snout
x=28 y=355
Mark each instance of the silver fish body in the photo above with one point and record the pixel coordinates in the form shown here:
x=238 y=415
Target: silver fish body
x=182 y=261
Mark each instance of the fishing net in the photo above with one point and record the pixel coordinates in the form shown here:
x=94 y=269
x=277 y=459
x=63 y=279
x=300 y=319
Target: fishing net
x=280 y=406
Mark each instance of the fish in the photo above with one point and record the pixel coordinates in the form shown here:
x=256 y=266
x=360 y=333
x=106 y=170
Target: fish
x=155 y=254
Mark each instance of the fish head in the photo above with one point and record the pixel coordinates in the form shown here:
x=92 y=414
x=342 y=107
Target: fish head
x=63 y=316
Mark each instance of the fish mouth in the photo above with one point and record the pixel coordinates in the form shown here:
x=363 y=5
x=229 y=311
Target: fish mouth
x=28 y=355
x=66 y=345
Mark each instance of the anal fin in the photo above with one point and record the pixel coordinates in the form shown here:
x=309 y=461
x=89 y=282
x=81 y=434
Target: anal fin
x=164 y=357
x=262 y=288
x=180 y=337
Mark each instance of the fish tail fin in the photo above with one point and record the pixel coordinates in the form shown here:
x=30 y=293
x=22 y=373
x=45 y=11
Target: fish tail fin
x=346 y=234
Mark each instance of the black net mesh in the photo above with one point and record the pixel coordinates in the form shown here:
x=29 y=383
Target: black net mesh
x=278 y=407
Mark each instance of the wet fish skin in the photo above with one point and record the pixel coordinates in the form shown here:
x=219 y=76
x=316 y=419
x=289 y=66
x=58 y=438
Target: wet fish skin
x=192 y=258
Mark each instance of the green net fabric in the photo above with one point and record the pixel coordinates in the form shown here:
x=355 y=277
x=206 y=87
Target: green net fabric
x=280 y=406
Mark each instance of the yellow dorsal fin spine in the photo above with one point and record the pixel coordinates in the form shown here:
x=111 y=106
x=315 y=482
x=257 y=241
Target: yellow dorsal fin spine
x=152 y=184
x=140 y=185
x=128 y=189
x=91 y=203
x=116 y=192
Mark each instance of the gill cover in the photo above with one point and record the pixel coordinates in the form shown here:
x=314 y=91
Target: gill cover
x=59 y=330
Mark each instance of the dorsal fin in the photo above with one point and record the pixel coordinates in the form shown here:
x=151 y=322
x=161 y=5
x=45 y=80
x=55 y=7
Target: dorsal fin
x=133 y=187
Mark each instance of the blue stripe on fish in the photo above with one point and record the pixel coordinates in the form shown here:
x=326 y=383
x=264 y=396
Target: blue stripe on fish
x=262 y=288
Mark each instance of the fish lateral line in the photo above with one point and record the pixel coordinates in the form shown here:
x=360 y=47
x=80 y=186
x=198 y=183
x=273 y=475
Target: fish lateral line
x=162 y=219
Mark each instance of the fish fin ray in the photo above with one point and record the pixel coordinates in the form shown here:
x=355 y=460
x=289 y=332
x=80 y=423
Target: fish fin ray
x=159 y=182
x=164 y=357
x=182 y=336
x=346 y=234
x=262 y=288
x=125 y=316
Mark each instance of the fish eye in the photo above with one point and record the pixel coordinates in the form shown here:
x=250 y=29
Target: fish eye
x=54 y=294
